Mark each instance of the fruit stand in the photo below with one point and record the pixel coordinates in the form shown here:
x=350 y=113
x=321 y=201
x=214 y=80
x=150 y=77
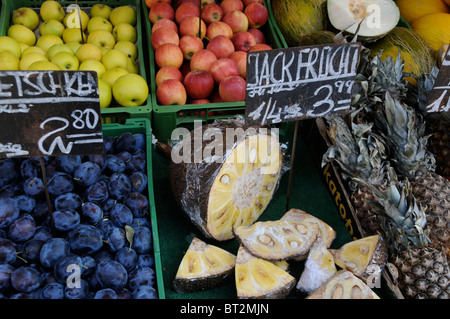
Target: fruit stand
x=219 y=174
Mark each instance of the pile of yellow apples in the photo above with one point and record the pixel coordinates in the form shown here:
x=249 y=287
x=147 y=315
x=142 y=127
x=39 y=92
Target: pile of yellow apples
x=103 y=39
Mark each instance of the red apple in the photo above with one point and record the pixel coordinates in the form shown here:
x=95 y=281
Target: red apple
x=202 y=60
x=258 y=34
x=163 y=35
x=232 y=89
x=161 y=10
x=151 y=3
x=211 y=12
x=180 y=2
x=206 y=2
x=247 y=2
x=240 y=57
x=260 y=47
x=221 y=46
x=243 y=41
x=257 y=15
x=192 y=25
x=164 y=22
x=190 y=44
x=185 y=10
x=169 y=54
x=215 y=97
x=185 y=68
x=168 y=72
x=223 y=68
x=231 y=5
x=218 y=28
x=199 y=101
x=171 y=92
x=199 y=84
x=237 y=20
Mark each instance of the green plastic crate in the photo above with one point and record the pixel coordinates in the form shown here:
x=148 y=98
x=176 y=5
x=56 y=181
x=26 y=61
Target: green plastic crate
x=168 y=117
x=136 y=126
x=113 y=114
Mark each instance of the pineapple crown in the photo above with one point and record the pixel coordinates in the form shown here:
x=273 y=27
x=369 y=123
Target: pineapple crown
x=359 y=152
x=404 y=132
x=403 y=221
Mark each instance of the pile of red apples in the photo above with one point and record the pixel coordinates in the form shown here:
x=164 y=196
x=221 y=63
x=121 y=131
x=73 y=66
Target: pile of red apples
x=200 y=48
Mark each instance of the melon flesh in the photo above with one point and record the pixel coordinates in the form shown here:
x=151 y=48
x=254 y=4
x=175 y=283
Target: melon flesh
x=375 y=18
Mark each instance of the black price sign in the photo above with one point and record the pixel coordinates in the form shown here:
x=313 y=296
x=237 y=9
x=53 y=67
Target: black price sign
x=439 y=100
x=298 y=83
x=49 y=113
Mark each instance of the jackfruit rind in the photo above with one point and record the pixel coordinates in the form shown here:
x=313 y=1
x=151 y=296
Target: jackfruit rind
x=257 y=278
x=319 y=267
x=363 y=256
x=203 y=266
x=343 y=285
x=277 y=240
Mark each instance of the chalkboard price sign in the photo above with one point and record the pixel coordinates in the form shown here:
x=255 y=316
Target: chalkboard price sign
x=439 y=100
x=298 y=83
x=49 y=113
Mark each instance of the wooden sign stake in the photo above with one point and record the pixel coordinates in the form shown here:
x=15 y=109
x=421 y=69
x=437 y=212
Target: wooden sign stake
x=291 y=168
x=47 y=195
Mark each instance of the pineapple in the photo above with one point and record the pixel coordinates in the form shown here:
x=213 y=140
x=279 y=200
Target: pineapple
x=404 y=130
x=229 y=176
x=203 y=267
x=361 y=156
x=423 y=271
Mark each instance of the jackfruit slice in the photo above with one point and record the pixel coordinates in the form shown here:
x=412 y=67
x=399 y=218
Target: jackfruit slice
x=319 y=267
x=203 y=266
x=343 y=285
x=365 y=257
x=277 y=240
x=233 y=183
x=326 y=232
x=260 y=279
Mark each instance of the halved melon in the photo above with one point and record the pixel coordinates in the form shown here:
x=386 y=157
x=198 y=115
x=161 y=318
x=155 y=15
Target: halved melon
x=259 y=278
x=319 y=267
x=203 y=267
x=277 y=240
x=232 y=183
x=364 y=257
x=343 y=285
x=326 y=232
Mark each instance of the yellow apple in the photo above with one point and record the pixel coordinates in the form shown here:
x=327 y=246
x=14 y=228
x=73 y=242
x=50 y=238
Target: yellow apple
x=93 y=65
x=57 y=48
x=32 y=49
x=96 y=23
x=110 y=76
x=27 y=17
x=132 y=66
x=100 y=10
x=51 y=9
x=73 y=35
x=8 y=61
x=104 y=93
x=127 y=47
x=11 y=45
x=43 y=65
x=124 y=31
x=30 y=58
x=89 y=51
x=65 y=61
x=51 y=26
x=23 y=46
x=74 y=45
x=103 y=39
x=72 y=19
x=114 y=59
x=130 y=90
x=21 y=34
x=46 y=41
x=123 y=14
